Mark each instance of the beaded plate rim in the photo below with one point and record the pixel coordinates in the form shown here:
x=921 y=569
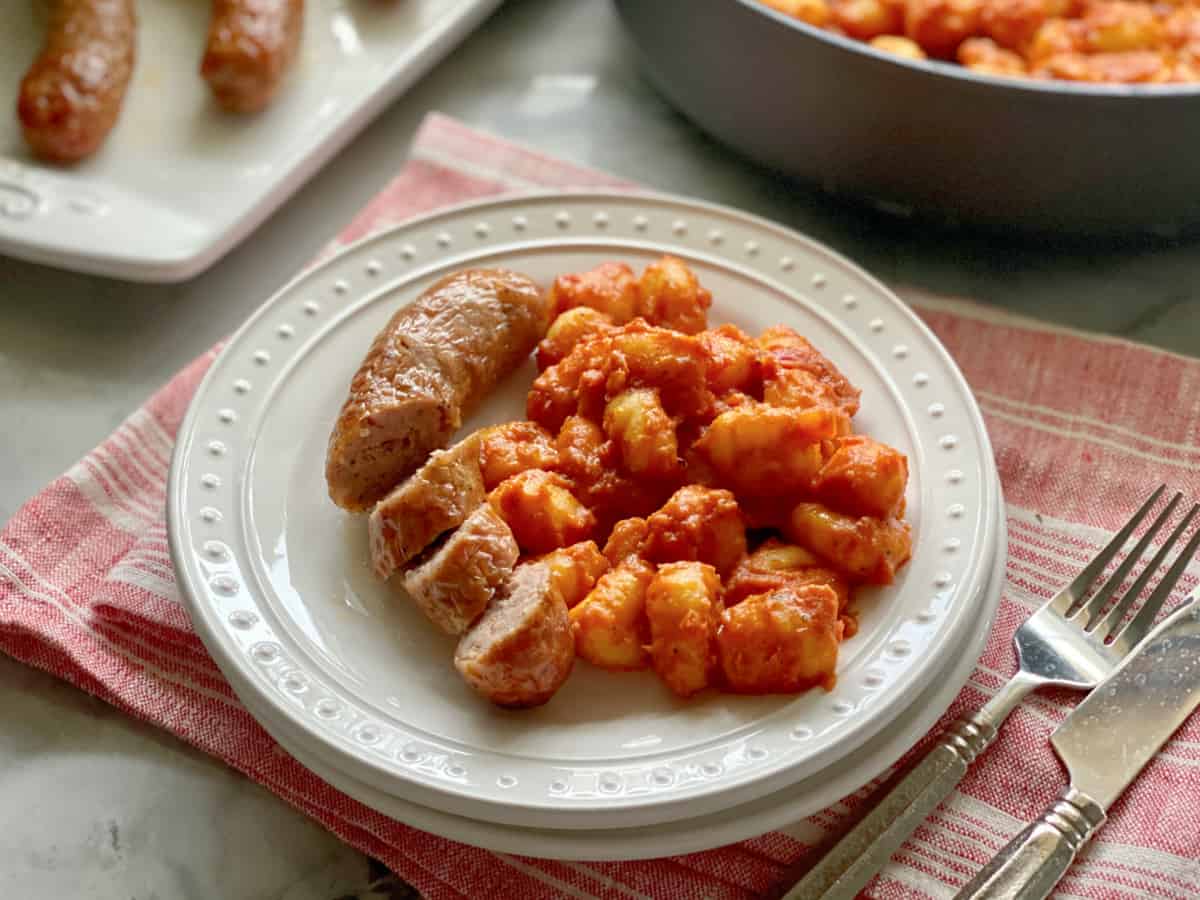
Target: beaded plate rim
x=207 y=522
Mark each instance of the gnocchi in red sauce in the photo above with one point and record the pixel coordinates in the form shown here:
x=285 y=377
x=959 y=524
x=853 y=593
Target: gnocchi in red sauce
x=720 y=472
x=1113 y=41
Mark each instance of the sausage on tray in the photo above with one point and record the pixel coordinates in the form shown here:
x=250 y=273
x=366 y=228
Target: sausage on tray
x=521 y=650
x=251 y=45
x=425 y=372
x=71 y=96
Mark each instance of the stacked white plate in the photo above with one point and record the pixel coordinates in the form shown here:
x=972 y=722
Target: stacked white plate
x=361 y=689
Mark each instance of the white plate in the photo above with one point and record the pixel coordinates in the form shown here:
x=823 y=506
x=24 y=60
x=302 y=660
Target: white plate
x=279 y=588
x=739 y=823
x=179 y=183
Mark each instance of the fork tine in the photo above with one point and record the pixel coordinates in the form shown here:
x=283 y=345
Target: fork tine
x=1096 y=604
x=1077 y=588
x=1112 y=621
x=1144 y=620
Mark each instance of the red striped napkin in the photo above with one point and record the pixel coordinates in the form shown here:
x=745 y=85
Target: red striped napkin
x=1081 y=425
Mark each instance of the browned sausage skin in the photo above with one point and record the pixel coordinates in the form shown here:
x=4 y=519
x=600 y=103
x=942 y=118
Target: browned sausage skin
x=453 y=582
x=251 y=45
x=425 y=372
x=437 y=498
x=71 y=96
x=521 y=649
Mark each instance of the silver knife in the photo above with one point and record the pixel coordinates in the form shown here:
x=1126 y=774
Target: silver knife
x=1104 y=743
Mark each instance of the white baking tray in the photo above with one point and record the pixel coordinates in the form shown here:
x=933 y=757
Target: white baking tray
x=179 y=183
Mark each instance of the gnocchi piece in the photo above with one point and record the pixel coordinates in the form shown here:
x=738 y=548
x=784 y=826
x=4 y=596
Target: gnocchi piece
x=676 y=364
x=899 y=46
x=1185 y=69
x=697 y=523
x=788 y=350
x=783 y=641
x=514 y=447
x=610 y=288
x=763 y=450
x=670 y=295
x=1119 y=26
x=865 y=549
x=776 y=556
x=800 y=389
x=867 y=19
x=574 y=570
x=626 y=540
x=610 y=624
x=1013 y=23
x=985 y=55
x=733 y=361
x=590 y=459
x=1055 y=38
x=645 y=435
x=567 y=330
x=814 y=12
x=1182 y=27
x=541 y=511
x=776 y=564
x=583 y=450
x=596 y=387
x=863 y=478
x=939 y=26
x=683 y=607
x=1130 y=67
x=555 y=393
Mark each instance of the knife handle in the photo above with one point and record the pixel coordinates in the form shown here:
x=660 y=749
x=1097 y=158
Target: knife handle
x=1032 y=863
x=867 y=847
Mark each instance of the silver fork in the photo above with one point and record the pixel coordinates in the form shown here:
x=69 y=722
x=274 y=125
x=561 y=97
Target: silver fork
x=1066 y=643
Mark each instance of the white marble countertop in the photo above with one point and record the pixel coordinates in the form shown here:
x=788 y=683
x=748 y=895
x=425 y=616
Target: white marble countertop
x=97 y=805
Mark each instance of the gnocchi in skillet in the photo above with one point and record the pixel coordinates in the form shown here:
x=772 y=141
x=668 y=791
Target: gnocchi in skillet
x=1111 y=41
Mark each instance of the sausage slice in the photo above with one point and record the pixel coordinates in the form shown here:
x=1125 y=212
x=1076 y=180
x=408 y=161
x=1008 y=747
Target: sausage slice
x=425 y=372
x=521 y=650
x=454 y=582
x=437 y=498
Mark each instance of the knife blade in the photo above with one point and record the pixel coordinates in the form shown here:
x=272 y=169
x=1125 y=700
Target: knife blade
x=1104 y=743
x=1119 y=727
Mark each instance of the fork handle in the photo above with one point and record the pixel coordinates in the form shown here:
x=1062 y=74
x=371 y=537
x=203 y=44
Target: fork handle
x=1032 y=863
x=866 y=848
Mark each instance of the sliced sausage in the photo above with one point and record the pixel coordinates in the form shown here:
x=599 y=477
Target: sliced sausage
x=454 y=582
x=438 y=497
x=521 y=650
x=71 y=96
x=425 y=372
x=251 y=45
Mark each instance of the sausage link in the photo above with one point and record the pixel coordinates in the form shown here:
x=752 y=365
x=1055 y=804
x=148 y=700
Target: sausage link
x=251 y=44
x=71 y=96
x=425 y=373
